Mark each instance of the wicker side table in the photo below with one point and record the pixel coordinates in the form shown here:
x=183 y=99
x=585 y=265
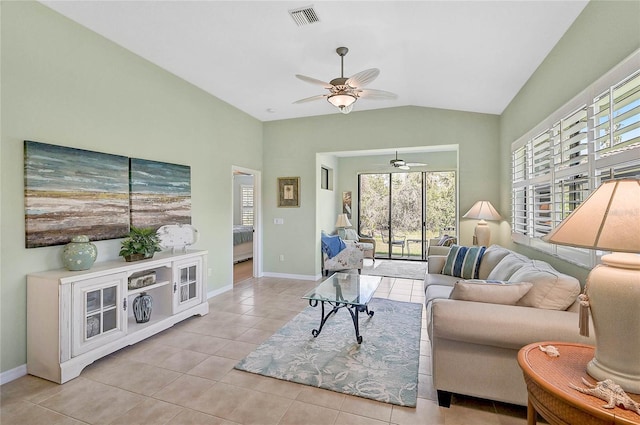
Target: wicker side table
x=549 y=393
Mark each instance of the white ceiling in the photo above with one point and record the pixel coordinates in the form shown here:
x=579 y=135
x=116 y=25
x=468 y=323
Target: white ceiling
x=462 y=55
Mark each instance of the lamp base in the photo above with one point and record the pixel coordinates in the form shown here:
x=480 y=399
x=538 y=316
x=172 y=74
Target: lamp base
x=613 y=289
x=482 y=234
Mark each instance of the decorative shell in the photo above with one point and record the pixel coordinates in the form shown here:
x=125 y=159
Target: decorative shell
x=550 y=350
x=610 y=392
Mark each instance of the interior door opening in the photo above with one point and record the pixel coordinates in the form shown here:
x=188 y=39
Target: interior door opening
x=245 y=224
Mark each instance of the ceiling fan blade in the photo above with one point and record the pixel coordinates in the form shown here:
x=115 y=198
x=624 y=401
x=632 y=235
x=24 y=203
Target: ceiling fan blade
x=363 y=78
x=314 y=81
x=416 y=164
x=311 y=99
x=403 y=167
x=374 y=94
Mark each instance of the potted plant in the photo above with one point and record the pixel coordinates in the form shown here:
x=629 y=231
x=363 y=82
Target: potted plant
x=141 y=243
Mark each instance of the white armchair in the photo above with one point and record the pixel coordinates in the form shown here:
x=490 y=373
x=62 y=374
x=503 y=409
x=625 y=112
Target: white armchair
x=352 y=257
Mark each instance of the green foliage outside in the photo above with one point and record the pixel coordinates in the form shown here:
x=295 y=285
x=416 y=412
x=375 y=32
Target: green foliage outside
x=406 y=210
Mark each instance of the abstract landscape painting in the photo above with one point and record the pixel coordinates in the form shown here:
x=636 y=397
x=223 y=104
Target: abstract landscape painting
x=160 y=193
x=71 y=192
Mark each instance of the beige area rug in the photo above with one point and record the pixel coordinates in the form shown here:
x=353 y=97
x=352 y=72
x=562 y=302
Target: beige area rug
x=395 y=268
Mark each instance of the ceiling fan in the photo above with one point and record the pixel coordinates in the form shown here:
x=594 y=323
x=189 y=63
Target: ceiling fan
x=343 y=92
x=403 y=165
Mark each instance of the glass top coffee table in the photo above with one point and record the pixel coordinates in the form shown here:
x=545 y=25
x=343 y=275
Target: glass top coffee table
x=352 y=291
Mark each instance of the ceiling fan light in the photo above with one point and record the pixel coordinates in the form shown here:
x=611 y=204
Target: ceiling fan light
x=341 y=100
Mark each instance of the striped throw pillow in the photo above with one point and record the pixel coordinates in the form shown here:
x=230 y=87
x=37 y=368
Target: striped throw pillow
x=464 y=261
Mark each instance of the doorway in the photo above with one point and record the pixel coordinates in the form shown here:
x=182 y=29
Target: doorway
x=246 y=227
x=402 y=211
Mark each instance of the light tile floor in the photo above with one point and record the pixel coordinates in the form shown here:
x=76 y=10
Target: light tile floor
x=185 y=375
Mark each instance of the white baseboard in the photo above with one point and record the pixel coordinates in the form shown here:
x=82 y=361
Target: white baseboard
x=13 y=374
x=219 y=291
x=293 y=276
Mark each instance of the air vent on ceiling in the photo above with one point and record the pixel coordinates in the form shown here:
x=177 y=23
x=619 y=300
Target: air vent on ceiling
x=304 y=15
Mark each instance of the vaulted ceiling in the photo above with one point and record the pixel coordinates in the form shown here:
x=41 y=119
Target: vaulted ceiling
x=461 y=55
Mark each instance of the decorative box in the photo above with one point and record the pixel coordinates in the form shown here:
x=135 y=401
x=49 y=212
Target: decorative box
x=142 y=279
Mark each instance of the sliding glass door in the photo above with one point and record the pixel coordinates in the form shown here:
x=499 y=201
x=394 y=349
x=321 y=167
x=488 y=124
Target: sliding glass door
x=403 y=210
x=374 y=192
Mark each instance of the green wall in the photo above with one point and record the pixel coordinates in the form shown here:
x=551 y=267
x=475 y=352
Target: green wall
x=290 y=148
x=604 y=34
x=65 y=85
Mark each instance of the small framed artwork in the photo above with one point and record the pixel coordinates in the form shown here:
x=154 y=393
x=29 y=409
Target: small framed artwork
x=288 y=192
x=346 y=204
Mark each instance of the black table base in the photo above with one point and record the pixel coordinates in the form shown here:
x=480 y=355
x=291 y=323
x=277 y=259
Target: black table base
x=353 y=310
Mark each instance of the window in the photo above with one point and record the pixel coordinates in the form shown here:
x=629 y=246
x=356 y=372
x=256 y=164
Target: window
x=246 y=193
x=326 y=178
x=556 y=165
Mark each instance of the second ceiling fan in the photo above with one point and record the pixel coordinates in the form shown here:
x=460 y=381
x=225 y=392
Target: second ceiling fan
x=343 y=92
x=403 y=165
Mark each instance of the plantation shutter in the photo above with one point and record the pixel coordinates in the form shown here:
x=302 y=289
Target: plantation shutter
x=246 y=192
x=519 y=190
x=570 y=140
x=541 y=210
x=621 y=106
x=541 y=155
x=558 y=163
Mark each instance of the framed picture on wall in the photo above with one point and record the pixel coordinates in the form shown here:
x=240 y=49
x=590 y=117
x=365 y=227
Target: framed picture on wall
x=160 y=193
x=288 y=192
x=71 y=192
x=346 y=204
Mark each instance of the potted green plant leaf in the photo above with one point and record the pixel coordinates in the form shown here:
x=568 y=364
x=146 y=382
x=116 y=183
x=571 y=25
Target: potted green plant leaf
x=141 y=243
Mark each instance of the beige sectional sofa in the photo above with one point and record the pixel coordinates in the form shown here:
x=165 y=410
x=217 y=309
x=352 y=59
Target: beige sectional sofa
x=475 y=344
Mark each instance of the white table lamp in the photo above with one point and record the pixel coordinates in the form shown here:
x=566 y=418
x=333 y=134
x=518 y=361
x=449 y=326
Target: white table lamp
x=609 y=220
x=341 y=223
x=482 y=210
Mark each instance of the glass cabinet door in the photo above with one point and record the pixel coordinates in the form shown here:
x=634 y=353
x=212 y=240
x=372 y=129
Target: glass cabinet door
x=187 y=284
x=99 y=312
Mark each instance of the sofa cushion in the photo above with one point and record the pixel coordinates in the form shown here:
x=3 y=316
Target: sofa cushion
x=491 y=257
x=436 y=292
x=489 y=291
x=332 y=244
x=463 y=261
x=505 y=269
x=440 y=279
x=551 y=289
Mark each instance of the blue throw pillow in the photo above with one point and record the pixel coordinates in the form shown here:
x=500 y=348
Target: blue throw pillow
x=332 y=245
x=464 y=261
